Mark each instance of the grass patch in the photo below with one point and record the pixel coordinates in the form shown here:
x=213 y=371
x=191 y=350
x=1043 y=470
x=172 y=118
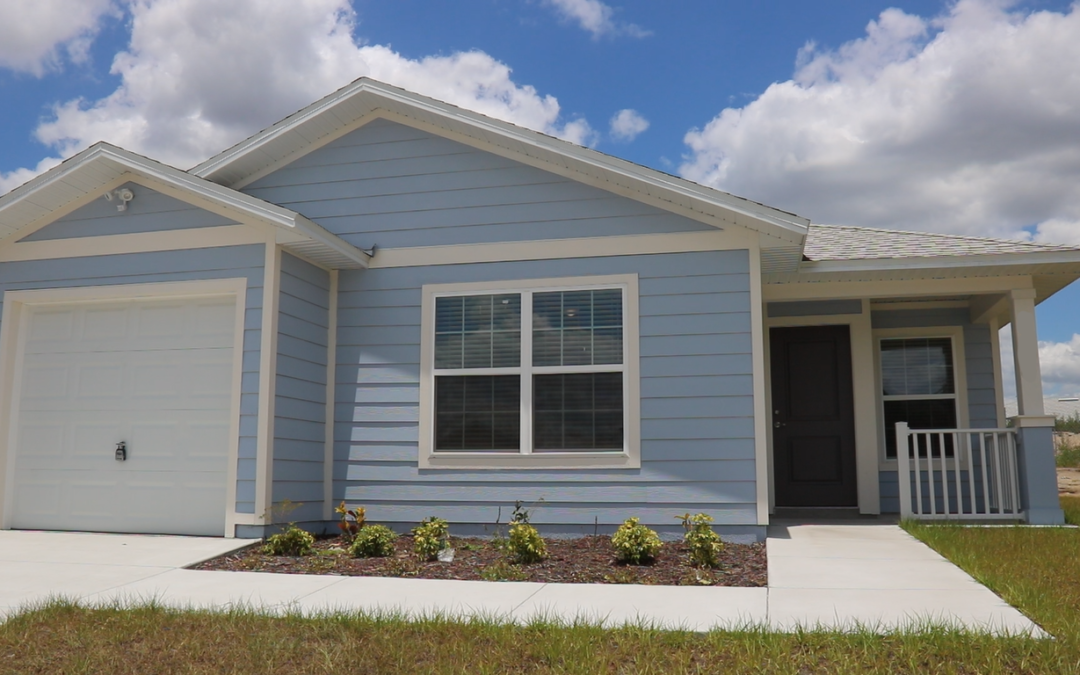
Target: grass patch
x=1071 y=507
x=1034 y=569
x=66 y=638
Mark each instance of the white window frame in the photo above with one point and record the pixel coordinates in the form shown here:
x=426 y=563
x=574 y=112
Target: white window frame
x=953 y=333
x=628 y=458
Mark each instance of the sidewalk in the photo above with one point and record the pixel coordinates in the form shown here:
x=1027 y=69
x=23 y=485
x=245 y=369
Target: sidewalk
x=831 y=576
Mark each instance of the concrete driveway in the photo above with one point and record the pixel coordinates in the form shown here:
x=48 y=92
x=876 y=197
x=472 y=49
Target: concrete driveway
x=37 y=565
x=820 y=576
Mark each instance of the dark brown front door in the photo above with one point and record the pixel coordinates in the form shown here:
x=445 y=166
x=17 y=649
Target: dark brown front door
x=813 y=417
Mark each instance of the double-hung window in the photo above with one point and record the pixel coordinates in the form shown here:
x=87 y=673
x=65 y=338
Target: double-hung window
x=534 y=374
x=918 y=386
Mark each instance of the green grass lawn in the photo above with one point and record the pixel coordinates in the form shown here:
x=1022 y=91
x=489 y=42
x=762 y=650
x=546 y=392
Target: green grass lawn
x=1037 y=570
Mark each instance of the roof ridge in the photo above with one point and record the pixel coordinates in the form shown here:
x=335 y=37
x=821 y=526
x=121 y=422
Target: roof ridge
x=945 y=235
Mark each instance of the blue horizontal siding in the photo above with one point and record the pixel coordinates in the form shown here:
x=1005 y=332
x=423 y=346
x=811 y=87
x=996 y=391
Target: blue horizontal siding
x=697 y=423
x=394 y=186
x=150 y=211
x=300 y=387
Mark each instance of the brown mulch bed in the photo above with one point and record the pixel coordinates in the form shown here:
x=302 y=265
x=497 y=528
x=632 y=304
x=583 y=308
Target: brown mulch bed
x=585 y=560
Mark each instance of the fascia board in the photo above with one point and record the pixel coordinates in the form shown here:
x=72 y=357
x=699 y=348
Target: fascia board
x=534 y=144
x=941 y=262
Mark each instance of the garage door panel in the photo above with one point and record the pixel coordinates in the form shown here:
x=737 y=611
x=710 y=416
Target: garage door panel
x=51 y=327
x=44 y=381
x=195 y=379
x=100 y=382
x=157 y=375
x=104 y=323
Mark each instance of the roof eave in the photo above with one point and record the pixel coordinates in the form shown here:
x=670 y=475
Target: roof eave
x=941 y=262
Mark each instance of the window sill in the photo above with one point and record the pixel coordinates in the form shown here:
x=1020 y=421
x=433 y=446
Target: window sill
x=486 y=461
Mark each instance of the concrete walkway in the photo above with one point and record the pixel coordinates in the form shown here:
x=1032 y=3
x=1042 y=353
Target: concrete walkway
x=830 y=576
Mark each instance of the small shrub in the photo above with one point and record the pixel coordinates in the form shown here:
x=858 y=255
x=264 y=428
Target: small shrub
x=373 y=541
x=525 y=544
x=1070 y=423
x=1068 y=455
x=502 y=571
x=293 y=541
x=352 y=520
x=622 y=575
x=705 y=545
x=634 y=543
x=401 y=567
x=430 y=537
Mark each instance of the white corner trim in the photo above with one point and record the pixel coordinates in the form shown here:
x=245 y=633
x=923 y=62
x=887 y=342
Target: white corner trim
x=761 y=402
x=584 y=247
x=139 y=242
x=13 y=330
x=999 y=387
x=630 y=458
x=268 y=345
x=331 y=399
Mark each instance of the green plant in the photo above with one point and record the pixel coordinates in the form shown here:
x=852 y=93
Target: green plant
x=352 y=520
x=623 y=575
x=430 y=537
x=401 y=567
x=374 y=541
x=525 y=544
x=293 y=541
x=1068 y=455
x=705 y=545
x=1070 y=423
x=634 y=543
x=502 y=571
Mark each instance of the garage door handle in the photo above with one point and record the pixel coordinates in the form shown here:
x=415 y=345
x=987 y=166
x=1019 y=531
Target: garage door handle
x=121 y=451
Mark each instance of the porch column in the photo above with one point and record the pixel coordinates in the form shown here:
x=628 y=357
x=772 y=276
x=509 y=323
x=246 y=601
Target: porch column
x=1034 y=430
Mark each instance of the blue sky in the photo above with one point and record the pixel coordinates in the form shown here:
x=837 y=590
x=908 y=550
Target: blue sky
x=959 y=117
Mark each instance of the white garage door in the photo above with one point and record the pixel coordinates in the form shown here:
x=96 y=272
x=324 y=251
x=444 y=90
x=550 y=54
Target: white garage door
x=156 y=375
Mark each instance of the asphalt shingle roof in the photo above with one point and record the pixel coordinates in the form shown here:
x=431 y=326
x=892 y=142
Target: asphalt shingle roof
x=844 y=242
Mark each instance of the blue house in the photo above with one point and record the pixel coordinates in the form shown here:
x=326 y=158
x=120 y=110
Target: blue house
x=391 y=301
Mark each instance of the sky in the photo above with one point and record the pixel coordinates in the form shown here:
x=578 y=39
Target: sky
x=960 y=117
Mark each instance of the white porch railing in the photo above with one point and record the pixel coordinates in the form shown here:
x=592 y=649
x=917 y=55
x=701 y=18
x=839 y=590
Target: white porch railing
x=963 y=474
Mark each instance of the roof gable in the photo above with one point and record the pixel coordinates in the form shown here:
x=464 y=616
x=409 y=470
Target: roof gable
x=103 y=167
x=365 y=99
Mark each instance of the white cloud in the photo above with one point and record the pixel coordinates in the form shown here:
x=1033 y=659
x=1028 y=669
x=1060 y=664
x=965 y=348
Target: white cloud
x=595 y=17
x=627 y=125
x=965 y=123
x=200 y=75
x=35 y=34
x=1060 y=365
x=13 y=179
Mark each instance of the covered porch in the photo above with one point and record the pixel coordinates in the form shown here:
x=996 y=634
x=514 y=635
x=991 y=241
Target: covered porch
x=856 y=348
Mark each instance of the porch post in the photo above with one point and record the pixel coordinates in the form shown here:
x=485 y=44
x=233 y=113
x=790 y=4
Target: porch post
x=1034 y=430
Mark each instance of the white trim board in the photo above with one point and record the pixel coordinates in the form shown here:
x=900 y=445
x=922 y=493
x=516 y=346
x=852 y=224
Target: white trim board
x=138 y=242
x=550 y=249
x=13 y=338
